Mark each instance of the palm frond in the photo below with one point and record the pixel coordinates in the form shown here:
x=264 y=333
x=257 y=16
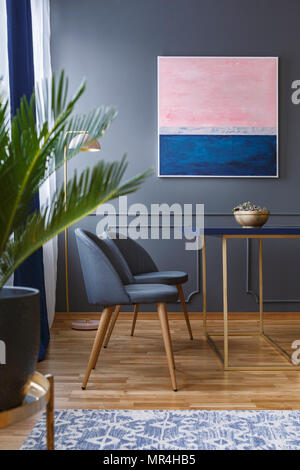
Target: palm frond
x=40 y=131
x=35 y=151
x=84 y=195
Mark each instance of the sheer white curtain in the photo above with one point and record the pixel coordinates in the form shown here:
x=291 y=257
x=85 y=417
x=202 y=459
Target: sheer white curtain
x=40 y=12
x=4 y=71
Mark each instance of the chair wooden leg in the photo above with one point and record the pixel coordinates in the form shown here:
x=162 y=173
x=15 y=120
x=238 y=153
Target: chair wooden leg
x=112 y=325
x=183 y=304
x=135 y=314
x=103 y=325
x=163 y=316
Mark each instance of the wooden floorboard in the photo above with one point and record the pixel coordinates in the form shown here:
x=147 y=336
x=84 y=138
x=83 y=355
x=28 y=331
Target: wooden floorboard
x=132 y=373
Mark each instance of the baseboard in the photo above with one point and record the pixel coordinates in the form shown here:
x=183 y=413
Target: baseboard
x=177 y=315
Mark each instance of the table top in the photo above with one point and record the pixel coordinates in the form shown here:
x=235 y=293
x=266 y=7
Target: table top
x=266 y=230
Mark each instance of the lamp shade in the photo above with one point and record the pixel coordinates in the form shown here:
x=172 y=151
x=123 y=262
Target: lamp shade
x=83 y=139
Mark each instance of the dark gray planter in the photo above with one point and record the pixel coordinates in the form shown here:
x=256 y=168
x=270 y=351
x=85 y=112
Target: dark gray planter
x=20 y=338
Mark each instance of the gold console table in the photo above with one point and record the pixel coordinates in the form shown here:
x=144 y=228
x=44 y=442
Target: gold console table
x=261 y=234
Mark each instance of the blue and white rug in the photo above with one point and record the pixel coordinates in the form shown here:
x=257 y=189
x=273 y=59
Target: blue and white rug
x=168 y=430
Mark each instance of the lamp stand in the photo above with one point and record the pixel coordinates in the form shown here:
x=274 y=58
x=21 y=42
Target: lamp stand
x=84 y=324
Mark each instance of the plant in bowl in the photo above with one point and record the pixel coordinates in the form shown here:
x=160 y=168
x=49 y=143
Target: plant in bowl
x=249 y=215
x=31 y=149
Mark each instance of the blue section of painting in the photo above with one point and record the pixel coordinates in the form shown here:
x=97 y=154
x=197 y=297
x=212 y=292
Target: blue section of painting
x=218 y=155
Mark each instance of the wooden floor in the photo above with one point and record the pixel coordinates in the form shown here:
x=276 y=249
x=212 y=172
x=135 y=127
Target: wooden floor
x=132 y=372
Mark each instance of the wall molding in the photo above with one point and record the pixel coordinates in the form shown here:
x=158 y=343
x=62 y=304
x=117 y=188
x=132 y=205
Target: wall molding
x=248 y=289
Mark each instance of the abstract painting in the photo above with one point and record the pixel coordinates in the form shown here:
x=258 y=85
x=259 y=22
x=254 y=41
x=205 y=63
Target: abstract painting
x=218 y=116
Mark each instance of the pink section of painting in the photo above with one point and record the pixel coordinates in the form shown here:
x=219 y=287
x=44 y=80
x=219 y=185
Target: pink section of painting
x=225 y=92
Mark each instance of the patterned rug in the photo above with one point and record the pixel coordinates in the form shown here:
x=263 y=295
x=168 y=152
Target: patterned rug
x=168 y=430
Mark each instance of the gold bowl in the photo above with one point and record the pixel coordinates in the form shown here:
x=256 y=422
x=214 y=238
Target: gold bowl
x=251 y=219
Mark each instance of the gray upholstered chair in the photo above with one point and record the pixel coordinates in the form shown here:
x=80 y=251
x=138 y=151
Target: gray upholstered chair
x=108 y=283
x=143 y=271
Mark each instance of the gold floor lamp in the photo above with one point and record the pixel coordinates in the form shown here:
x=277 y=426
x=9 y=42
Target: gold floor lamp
x=87 y=145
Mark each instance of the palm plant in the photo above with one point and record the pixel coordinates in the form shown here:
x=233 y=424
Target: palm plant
x=30 y=152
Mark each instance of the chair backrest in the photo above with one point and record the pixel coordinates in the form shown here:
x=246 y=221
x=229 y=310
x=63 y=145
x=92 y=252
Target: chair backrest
x=117 y=259
x=136 y=257
x=103 y=284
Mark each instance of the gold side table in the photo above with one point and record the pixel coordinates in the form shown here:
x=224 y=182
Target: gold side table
x=261 y=234
x=40 y=394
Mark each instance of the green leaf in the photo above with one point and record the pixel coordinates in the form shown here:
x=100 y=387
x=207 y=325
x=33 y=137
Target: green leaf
x=84 y=195
x=38 y=142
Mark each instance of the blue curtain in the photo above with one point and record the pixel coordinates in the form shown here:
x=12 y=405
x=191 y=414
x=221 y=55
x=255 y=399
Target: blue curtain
x=21 y=78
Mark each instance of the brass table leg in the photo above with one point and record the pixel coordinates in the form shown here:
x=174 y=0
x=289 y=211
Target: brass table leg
x=225 y=300
x=50 y=415
x=204 y=294
x=261 y=299
x=225 y=357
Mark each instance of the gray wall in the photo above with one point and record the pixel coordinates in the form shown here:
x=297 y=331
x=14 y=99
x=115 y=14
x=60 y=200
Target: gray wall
x=114 y=44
